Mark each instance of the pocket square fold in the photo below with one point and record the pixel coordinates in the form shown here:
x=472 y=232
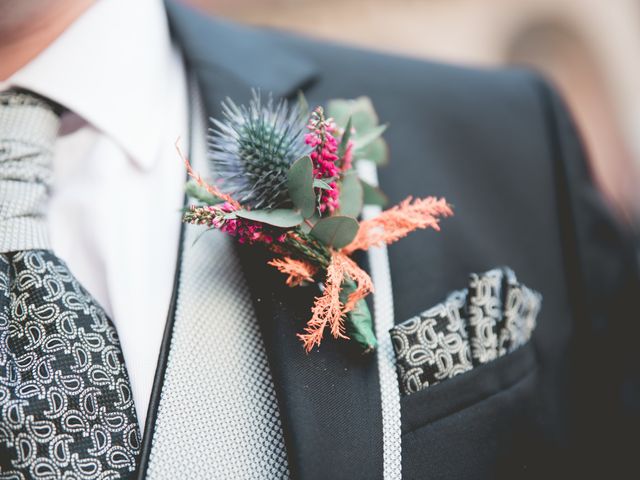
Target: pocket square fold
x=492 y=317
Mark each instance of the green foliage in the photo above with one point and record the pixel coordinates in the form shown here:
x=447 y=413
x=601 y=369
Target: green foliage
x=360 y=110
x=308 y=225
x=300 y=184
x=336 y=231
x=279 y=217
x=344 y=142
x=318 y=183
x=377 y=152
x=196 y=191
x=359 y=322
x=373 y=195
x=351 y=195
x=367 y=137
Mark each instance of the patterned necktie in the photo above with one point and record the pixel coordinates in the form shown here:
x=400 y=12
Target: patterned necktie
x=66 y=409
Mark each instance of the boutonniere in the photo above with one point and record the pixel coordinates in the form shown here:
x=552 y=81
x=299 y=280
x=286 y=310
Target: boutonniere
x=285 y=180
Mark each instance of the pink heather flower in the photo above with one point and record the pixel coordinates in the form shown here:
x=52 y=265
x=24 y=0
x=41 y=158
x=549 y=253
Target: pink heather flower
x=246 y=231
x=330 y=199
x=324 y=157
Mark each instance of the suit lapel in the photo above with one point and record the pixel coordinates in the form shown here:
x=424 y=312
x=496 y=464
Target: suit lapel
x=230 y=60
x=329 y=400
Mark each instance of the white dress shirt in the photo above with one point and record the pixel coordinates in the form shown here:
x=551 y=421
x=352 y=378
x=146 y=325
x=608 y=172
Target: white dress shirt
x=115 y=210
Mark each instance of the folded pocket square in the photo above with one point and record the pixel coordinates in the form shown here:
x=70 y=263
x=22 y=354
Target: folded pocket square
x=493 y=316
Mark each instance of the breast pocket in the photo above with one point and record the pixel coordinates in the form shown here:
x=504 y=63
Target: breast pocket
x=467 y=348
x=463 y=391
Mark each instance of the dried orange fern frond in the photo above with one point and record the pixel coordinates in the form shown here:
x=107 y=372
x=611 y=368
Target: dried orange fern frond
x=364 y=285
x=398 y=221
x=216 y=192
x=298 y=271
x=327 y=308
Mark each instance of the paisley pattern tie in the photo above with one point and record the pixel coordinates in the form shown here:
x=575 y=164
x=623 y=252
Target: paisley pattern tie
x=66 y=409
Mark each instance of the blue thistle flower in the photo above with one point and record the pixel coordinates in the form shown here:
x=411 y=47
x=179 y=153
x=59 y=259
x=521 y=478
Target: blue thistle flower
x=254 y=146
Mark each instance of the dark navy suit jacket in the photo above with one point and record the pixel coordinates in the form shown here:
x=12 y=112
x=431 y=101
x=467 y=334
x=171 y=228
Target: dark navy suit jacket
x=500 y=146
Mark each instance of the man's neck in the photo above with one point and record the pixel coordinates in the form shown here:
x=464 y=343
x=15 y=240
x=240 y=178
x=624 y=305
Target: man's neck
x=26 y=29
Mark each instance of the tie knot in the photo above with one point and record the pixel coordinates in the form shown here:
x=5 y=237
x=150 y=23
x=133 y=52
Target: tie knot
x=28 y=129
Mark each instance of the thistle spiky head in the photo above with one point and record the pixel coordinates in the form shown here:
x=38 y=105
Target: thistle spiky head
x=254 y=146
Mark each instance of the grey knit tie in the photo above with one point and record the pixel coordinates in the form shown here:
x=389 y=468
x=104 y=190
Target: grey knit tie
x=218 y=416
x=28 y=129
x=66 y=409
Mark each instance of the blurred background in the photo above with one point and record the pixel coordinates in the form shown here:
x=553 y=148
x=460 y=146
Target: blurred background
x=588 y=48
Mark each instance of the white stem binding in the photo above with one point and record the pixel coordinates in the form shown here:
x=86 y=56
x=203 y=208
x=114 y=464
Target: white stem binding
x=383 y=317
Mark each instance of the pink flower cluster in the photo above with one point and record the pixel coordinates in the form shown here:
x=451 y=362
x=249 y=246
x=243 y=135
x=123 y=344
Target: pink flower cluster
x=324 y=157
x=246 y=231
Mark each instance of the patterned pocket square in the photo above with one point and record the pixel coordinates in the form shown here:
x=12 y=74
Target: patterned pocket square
x=492 y=317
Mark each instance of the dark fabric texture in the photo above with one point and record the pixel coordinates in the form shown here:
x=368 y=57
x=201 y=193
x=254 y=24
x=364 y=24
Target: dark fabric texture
x=329 y=400
x=500 y=146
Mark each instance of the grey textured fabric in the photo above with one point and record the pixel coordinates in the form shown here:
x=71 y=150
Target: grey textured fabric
x=384 y=321
x=218 y=415
x=28 y=128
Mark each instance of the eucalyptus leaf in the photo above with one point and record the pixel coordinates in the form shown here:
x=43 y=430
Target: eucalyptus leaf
x=279 y=217
x=319 y=183
x=344 y=143
x=309 y=223
x=376 y=152
x=305 y=227
x=300 y=184
x=360 y=326
x=340 y=110
x=373 y=195
x=360 y=110
x=337 y=231
x=351 y=195
x=362 y=141
x=196 y=191
x=359 y=321
x=200 y=235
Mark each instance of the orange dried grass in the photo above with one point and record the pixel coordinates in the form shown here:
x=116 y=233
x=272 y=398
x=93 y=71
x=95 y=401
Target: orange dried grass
x=216 y=192
x=298 y=271
x=327 y=309
x=364 y=285
x=398 y=221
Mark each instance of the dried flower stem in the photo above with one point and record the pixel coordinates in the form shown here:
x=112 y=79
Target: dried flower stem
x=328 y=310
x=298 y=271
x=216 y=192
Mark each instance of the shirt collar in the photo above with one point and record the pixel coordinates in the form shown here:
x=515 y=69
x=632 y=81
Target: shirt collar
x=112 y=67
